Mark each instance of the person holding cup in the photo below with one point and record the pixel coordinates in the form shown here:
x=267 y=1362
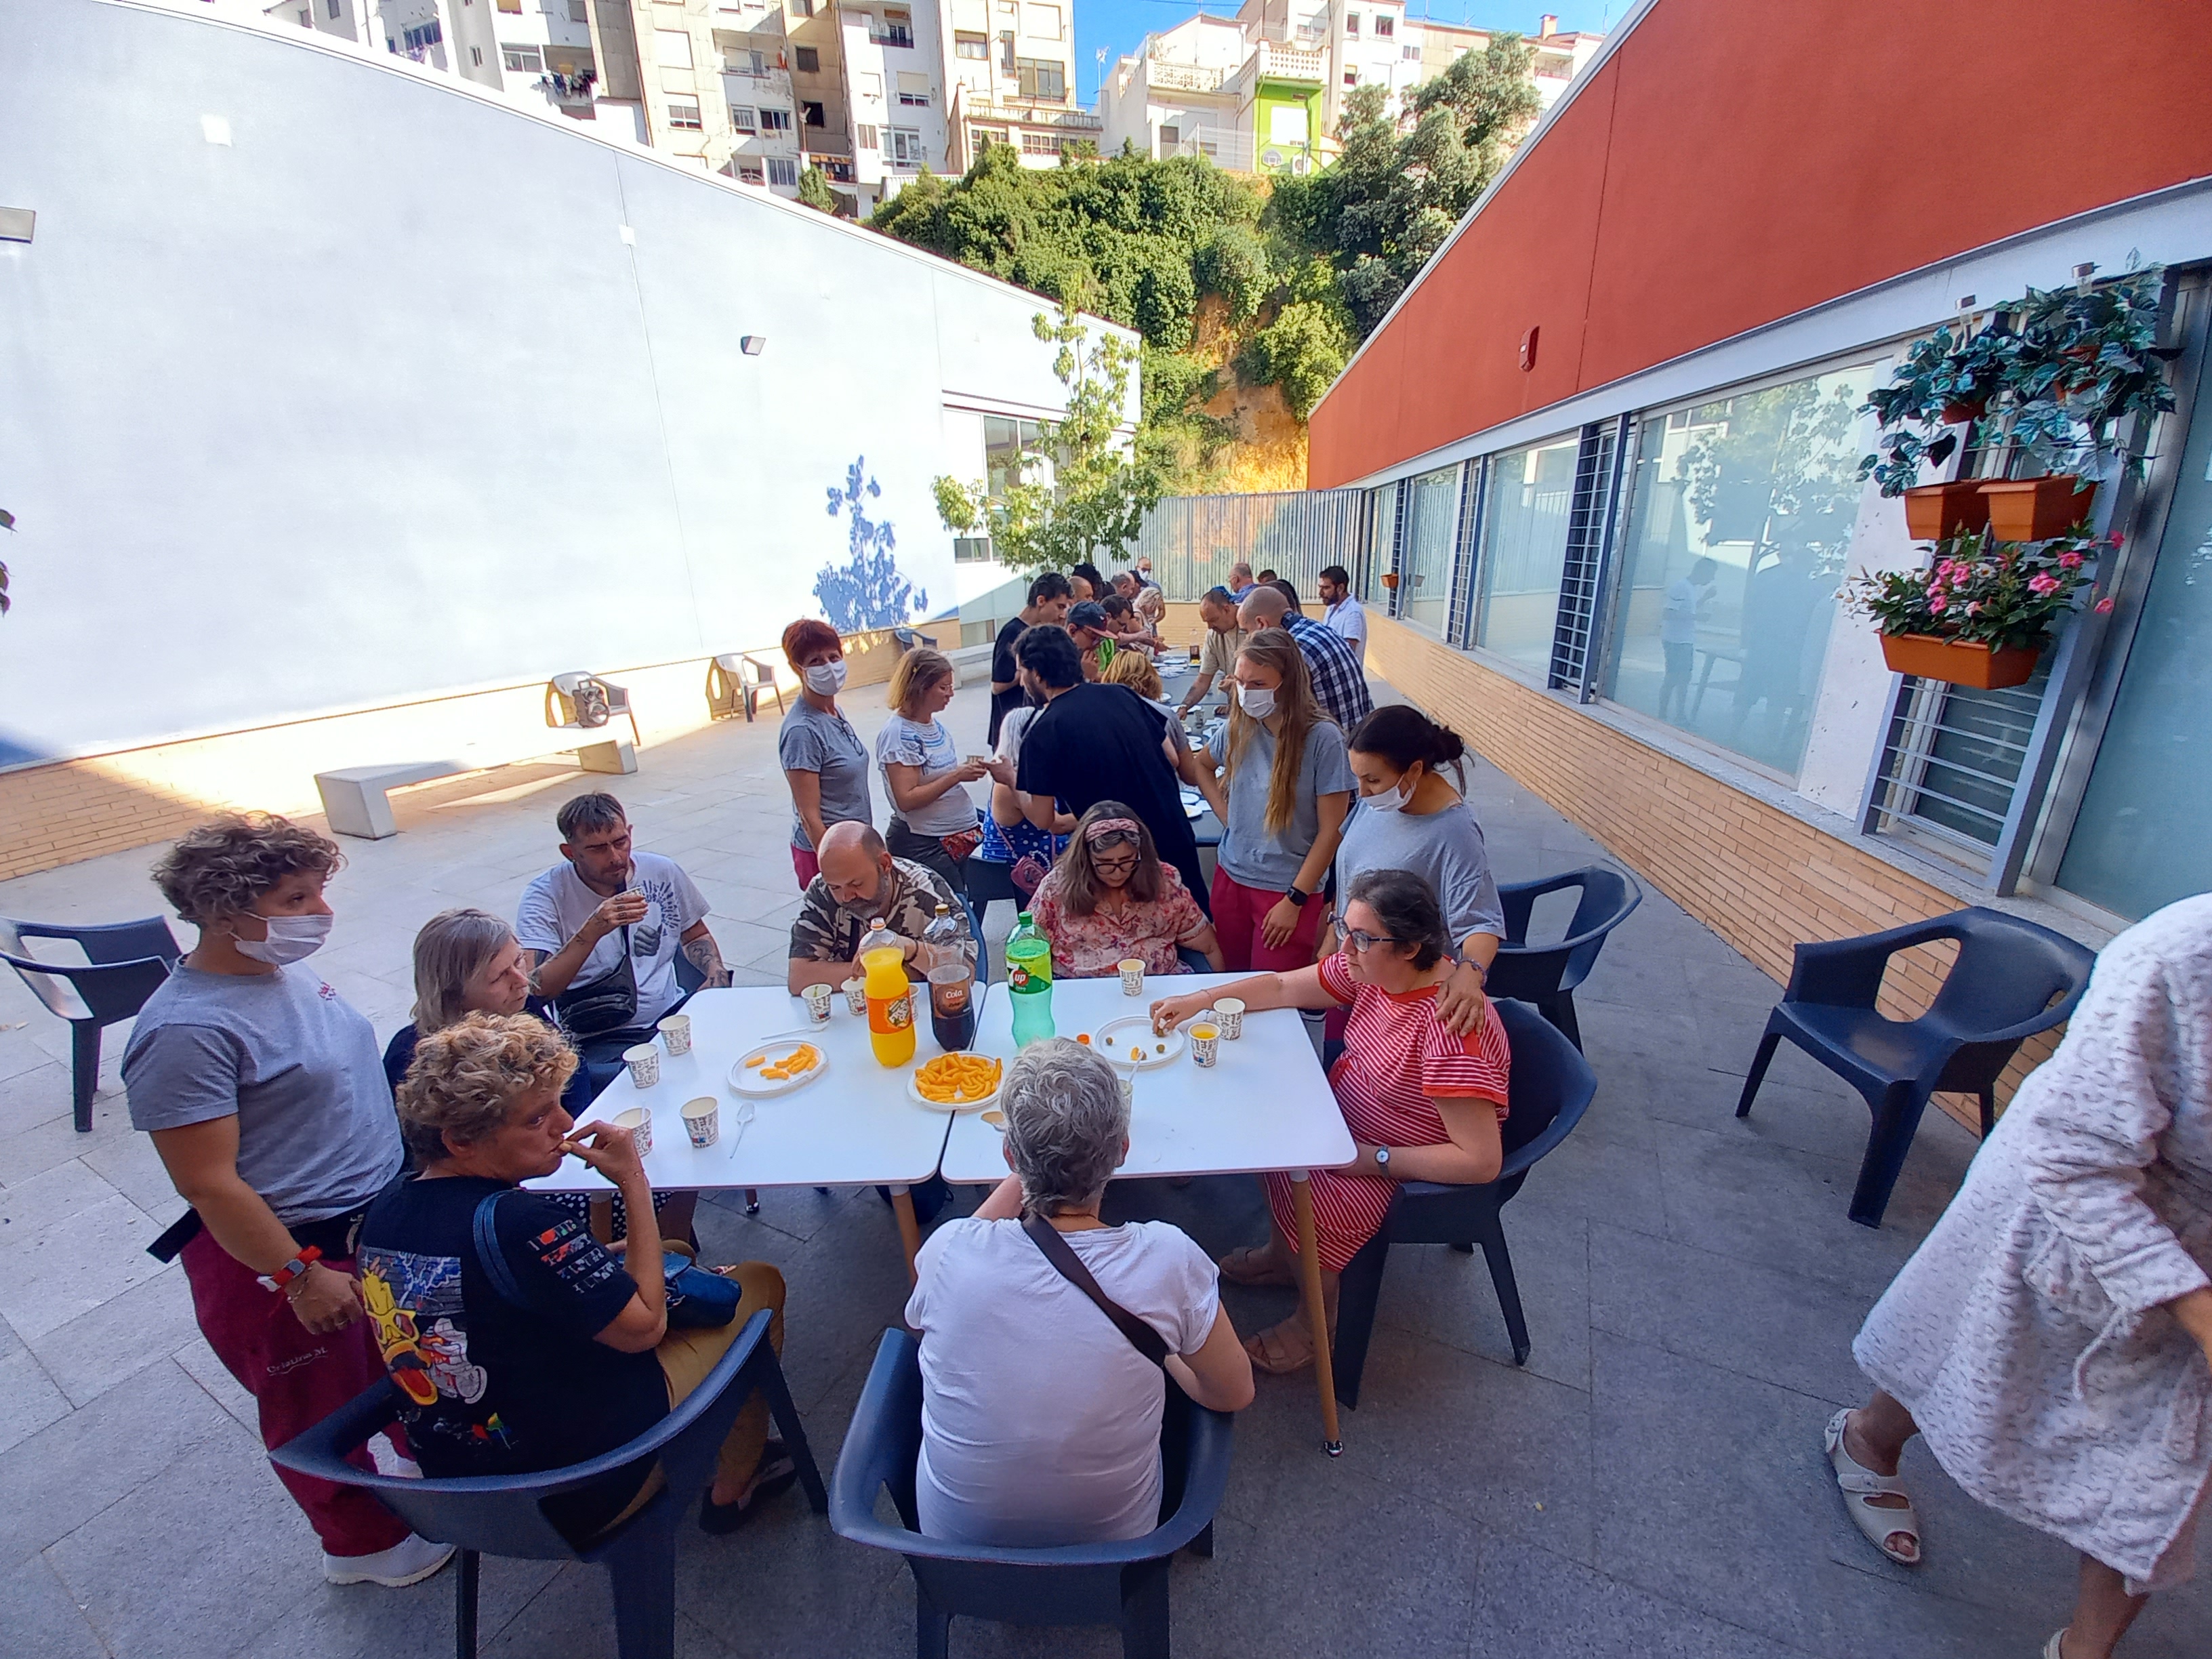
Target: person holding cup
x=934 y=822
x=585 y=1359
x=1111 y=898
x=1422 y=1102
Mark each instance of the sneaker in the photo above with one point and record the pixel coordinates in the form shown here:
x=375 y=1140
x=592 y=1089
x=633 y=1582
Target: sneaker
x=410 y=1561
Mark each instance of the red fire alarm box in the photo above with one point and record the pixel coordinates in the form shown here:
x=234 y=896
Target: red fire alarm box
x=1528 y=352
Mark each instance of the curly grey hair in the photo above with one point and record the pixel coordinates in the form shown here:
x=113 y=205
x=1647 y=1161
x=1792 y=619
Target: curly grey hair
x=1065 y=1121
x=451 y=949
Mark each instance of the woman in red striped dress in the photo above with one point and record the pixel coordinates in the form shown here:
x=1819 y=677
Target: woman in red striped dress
x=1422 y=1103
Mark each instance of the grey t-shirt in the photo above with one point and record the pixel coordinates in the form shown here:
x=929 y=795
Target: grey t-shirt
x=557 y=905
x=812 y=741
x=1251 y=855
x=293 y=1061
x=1443 y=848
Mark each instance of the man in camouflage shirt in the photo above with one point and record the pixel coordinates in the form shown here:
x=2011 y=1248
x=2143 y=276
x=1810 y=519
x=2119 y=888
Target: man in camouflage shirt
x=859 y=881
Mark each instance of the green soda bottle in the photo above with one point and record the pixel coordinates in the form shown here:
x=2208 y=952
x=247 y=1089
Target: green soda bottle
x=1028 y=977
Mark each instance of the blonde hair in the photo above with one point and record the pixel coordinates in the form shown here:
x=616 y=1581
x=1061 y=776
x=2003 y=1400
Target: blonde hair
x=1134 y=670
x=452 y=949
x=917 y=670
x=465 y=1079
x=1273 y=647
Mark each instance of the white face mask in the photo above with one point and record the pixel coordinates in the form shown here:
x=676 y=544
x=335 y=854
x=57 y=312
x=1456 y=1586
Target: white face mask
x=1392 y=799
x=826 y=679
x=1256 y=703
x=290 y=938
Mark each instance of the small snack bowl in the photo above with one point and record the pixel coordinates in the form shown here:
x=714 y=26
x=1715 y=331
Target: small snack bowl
x=702 y=1119
x=644 y=1063
x=1205 y=1044
x=638 y=1120
x=1229 y=1014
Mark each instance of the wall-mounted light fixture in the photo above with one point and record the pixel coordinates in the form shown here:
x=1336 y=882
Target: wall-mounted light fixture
x=752 y=344
x=1528 y=350
x=17 y=223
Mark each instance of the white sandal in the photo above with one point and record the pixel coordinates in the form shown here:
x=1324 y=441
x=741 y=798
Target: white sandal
x=1858 y=1483
x=2051 y=1648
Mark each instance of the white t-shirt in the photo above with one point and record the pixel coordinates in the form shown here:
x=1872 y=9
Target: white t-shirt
x=1678 y=618
x=1040 y=1422
x=1347 y=617
x=557 y=905
x=903 y=742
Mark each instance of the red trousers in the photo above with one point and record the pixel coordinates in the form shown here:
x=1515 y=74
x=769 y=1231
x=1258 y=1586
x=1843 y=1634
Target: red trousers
x=1238 y=913
x=807 y=865
x=297 y=1378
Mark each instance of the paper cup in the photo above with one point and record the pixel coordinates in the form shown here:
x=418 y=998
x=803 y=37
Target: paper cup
x=675 y=1033
x=1204 y=1043
x=644 y=1063
x=818 y=1003
x=639 y=1122
x=856 y=995
x=1229 y=1014
x=1133 y=975
x=702 y=1119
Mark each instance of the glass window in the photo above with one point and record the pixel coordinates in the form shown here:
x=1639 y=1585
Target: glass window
x=1382 y=531
x=807 y=59
x=971 y=45
x=1043 y=78
x=2143 y=835
x=782 y=171
x=522 y=59
x=684 y=112
x=775 y=120
x=1739 y=529
x=1432 y=514
x=1004 y=440
x=1524 y=552
x=741 y=119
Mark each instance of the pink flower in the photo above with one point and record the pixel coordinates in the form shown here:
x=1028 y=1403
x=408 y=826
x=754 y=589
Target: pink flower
x=2044 y=583
x=2104 y=607
x=2069 y=560
x=2113 y=539
x=1937 y=603
x=1975 y=609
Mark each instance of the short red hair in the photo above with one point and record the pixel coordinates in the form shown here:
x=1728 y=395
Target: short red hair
x=807 y=636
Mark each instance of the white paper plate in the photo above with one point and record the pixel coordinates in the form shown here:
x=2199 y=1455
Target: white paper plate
x=1112 y=1040
x=747 y=1080
x=913 y=1091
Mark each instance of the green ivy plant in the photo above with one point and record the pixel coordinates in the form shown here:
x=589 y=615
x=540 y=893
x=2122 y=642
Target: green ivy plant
x=2049 y=379
x=1984 y=591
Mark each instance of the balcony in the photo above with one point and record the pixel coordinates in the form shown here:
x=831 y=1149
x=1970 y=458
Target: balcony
x=823 y=143
x=1182 y=77
x=1036 y=115
x=1280 y=63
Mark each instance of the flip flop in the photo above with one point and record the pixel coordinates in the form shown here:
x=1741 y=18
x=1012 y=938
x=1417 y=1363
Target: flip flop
x=1243 y=1266
x=1270 y=1354
x=1858 y=1484
x=2053 y=1650
x=777 y=1475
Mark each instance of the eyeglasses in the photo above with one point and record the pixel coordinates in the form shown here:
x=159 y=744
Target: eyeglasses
x=1127 y=862
x=1361 y=939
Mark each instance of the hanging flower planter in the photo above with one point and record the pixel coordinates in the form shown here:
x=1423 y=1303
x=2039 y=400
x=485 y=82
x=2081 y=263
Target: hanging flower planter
x=1389 y=579
x=2036 y=510
x=1965 y=409
x=1934 y=513
x=1986 y=668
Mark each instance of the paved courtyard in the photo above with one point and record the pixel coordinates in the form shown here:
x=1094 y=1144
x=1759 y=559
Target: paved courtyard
x=1650 y=1486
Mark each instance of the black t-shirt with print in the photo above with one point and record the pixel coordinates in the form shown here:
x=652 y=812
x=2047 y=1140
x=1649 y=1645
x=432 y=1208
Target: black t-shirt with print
x=1094 y=743
x=492 y=1387
x=1006 y=671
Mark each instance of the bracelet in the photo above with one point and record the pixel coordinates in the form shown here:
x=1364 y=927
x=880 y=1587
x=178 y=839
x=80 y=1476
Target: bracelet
x=291 y=1270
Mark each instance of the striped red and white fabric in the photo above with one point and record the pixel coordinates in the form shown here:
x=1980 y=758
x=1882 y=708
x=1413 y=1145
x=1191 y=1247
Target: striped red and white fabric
x=1398 y=1057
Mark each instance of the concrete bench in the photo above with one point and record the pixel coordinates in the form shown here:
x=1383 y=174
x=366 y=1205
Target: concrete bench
x=354 y=796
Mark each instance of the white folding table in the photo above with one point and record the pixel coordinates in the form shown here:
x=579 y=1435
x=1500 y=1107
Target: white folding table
x=1265 y=1106
x=854 y=1125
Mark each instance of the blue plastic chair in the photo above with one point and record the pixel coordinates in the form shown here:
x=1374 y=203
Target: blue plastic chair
x=124 y=963
x=1549 y=1089
x=1546 y=974
x=501 y=1515
x=1123 y=1583
x=2011 y=979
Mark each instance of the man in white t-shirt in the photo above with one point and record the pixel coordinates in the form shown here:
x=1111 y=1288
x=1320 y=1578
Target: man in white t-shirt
x=1344 y=615
x=1688 y=598
x=578 y=919
x=1040 y=1419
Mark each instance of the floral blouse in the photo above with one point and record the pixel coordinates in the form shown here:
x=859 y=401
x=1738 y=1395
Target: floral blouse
x=1089 y=947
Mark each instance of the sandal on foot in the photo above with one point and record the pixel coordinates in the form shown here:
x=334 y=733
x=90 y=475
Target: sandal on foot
x=1271 y=1354
x=776 y=1476
x=2054 y=1648
x=1859 y=1484
x=1252 y=1265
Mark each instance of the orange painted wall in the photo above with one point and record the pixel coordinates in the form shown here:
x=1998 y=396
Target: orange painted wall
x=1737 y=161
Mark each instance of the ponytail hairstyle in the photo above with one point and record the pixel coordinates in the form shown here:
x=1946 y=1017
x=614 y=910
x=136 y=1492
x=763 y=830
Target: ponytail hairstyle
x=1401 y=734
x=1273 y=647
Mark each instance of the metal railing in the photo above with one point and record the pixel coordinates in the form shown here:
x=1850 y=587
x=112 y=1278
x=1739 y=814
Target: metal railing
x=1289 y=63
x=1192 y=540
x=1183 y=77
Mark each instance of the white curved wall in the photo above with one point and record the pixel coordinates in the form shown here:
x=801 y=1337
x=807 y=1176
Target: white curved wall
x=376 y=401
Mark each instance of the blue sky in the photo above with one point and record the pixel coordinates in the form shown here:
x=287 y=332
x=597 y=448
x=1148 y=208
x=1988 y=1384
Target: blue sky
x=1116 y=26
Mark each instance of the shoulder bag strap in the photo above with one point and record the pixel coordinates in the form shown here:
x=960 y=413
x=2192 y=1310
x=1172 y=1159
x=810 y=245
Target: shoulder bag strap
x=489 y=1256
x=1142 y=1337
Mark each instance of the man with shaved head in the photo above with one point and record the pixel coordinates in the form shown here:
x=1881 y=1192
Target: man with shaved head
x=861 y=881
x=1340 y=684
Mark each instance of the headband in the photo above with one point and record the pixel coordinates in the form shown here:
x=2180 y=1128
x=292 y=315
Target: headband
x=1106 y=827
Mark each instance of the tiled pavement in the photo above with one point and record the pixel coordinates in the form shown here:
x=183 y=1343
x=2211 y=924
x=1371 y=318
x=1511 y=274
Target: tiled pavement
x=1650 y=1486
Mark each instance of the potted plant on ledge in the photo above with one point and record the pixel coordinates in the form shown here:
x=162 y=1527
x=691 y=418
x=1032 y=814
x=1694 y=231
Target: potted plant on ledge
x=1984 y=612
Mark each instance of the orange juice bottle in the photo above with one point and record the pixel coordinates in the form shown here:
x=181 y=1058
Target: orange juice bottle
x=890 y=997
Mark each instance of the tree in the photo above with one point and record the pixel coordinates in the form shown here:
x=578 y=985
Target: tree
x=1100 y=486
x=869 y=590
x=815 y=192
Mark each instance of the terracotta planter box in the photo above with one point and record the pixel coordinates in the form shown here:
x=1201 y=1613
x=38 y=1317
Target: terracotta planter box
x=1935 y=511
x=1966 y=409
x=2036 y=510
x=1389 y=579
x=1928 y=657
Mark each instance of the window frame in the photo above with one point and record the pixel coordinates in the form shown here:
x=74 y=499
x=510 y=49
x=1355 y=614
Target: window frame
x=807 y=60
x=1031 y=71
x=785 y=164
x=698 y=114
x=744 y=118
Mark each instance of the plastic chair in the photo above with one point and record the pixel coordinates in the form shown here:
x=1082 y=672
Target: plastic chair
x=1121 y=1584
x=737 y=682
x=500 y=1514
x=2010 y=979
x=1550 y=1087
x=1546 y=974
x=561 y=700
x=125 y=962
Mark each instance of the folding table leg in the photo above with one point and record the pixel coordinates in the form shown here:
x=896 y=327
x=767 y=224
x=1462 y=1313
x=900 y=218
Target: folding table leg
x=910 y=1229
x=1316 y=1311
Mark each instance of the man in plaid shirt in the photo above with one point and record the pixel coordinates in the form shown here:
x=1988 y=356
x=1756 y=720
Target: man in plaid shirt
x=1338 y=683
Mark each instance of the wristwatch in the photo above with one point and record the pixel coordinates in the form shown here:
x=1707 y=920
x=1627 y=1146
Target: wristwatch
x=1297 y=898
x=1382 y=1157
x=291 y=1270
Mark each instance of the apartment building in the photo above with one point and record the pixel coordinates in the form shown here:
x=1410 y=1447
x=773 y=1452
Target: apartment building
x=1265 y=91
x=544 y=52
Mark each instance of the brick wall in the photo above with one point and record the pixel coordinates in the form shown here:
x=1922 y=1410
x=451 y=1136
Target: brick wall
x=1761 y=879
